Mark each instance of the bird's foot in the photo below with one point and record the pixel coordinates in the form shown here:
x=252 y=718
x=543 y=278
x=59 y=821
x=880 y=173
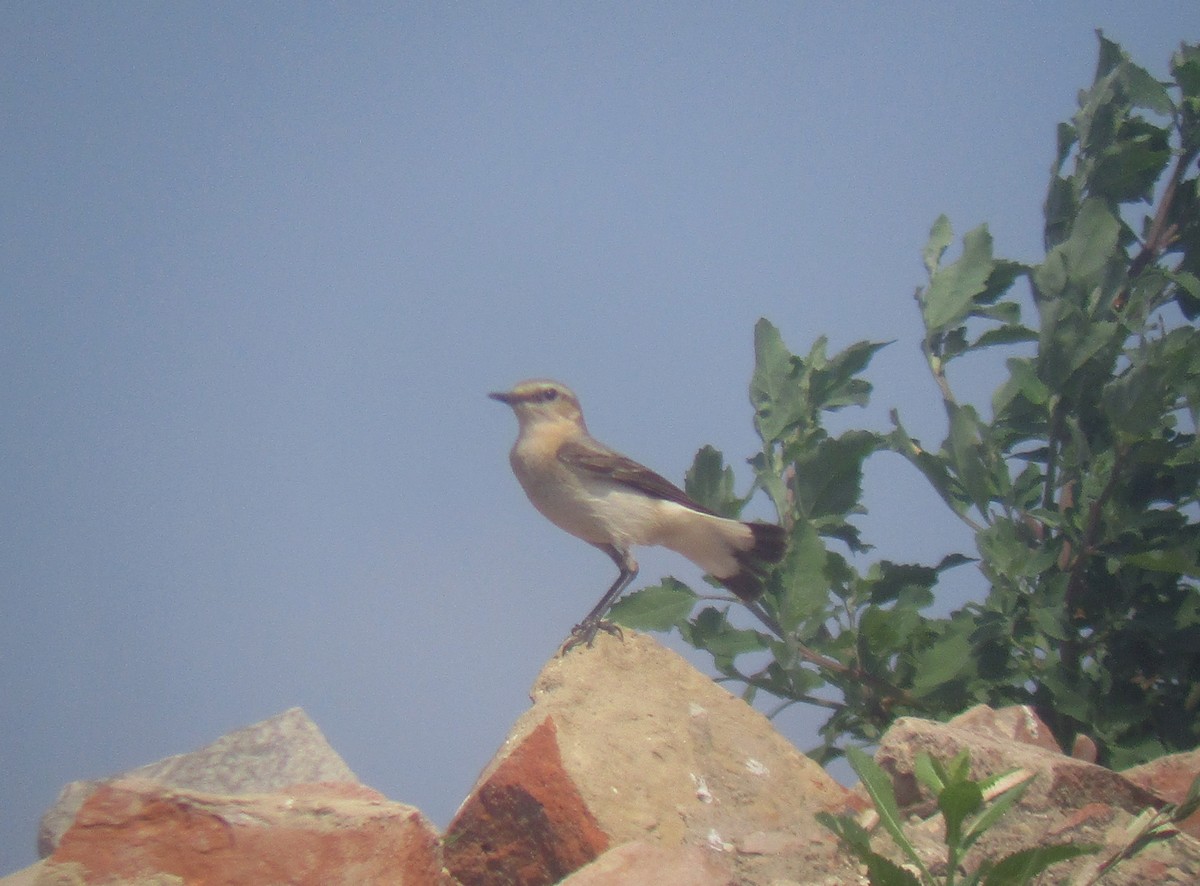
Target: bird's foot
x=585 y=632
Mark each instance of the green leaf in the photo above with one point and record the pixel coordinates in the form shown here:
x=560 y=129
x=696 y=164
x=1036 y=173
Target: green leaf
x=1179 y=561
x=828 y=477
x=884 y=632
x=928 y=773
x=1092 y=243
x=1004 y=274
x=659 y=607
x=882 y=871
x=951 y=560
x=1007 y=550
x=967 y=450
x=952 y=288
x=959 y=768
x=1191 y=802
x=879 y=787
x=1004 y=335
x=1022 y=381
x=835 y=384
x=1066 y=137
x=995 y=810
x=805 y=585
x=849 y=831
x=1062 y=199
x=710 y=483
x=1185 y=68
x=1187 y=295
x=940 y=237
x=779 y=401
x=1127 y=169
x=932 y=466
x=956 y=801
x=712 y=631
x=1145 y=91
x=1066 y=697
x=946 y=659
x=889 y=580
x=1021 y=867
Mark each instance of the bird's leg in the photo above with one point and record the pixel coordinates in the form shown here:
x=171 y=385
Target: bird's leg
x=585 y=631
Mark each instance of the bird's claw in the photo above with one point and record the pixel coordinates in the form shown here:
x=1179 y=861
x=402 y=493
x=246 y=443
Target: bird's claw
x=585 y=632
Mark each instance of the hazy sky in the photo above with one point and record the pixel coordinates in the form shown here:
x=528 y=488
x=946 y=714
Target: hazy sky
x=260 y=263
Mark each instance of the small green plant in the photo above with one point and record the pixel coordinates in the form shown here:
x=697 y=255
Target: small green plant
x=1080 y=480
x=968 y=808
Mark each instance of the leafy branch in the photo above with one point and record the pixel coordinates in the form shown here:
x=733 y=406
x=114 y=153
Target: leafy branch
x=1078 y=480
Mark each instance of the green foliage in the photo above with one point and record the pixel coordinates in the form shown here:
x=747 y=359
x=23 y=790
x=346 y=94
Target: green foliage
x=1079 y=479
x=969 y=809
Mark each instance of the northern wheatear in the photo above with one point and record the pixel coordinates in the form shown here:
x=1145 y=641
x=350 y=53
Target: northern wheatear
x=614 y=503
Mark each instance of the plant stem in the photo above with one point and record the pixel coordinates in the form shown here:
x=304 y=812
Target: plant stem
x=832 y=665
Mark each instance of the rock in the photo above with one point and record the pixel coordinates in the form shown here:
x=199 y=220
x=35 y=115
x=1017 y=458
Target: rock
x=647 y=863
x=528 y=819
x=132 y=830
x=1085 y=749
x=283 y=750
x=1068 y=801
x=627 y=742
x=1015 y=722
x=629 y=767
x=1169 y=778
x=1063 y=783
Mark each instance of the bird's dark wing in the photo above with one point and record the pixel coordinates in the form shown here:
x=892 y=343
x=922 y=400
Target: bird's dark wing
x=590 y=456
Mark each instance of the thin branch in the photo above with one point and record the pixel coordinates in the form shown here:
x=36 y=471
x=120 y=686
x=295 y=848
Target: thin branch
x=832 y=665
x=937 y=368
x=1087 y=543
x=1076 y=577
x=765 y=686
x=1162 y=234
x=1053 y=433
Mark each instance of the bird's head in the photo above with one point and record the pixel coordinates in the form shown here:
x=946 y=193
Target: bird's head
x=539 y=400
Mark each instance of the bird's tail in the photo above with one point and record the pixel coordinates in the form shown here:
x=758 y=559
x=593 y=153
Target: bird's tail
x=736 y=554
x=767 y=545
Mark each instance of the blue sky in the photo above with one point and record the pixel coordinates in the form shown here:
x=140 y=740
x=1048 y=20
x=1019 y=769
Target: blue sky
x=260 y=264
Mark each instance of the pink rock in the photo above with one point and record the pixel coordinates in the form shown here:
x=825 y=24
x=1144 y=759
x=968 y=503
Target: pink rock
x=1062 y=782
x=1067 y=801
x=282 y=750
x=1170 y=777
x=527 y=823
x=1015 y=722
x=627 y=742
x=317 y=834
x=658 y=865
x=1085 y=749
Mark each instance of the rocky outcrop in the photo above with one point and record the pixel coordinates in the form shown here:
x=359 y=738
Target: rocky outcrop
x=133 y=830
x=629 y=767
x=1063 y=782
x=1169 y=778
x=659 y=865
x=1067 y=801
x=629 y=743
x=283 y=750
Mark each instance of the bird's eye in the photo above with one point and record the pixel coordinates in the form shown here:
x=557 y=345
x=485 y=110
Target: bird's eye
x=549 y=394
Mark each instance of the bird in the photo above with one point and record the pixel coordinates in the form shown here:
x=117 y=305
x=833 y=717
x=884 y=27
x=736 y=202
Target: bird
x=614 y=503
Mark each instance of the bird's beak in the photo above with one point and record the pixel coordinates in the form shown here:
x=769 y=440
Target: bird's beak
x=506 y=397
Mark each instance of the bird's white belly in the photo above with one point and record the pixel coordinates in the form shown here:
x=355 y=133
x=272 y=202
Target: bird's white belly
x=598 y=512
